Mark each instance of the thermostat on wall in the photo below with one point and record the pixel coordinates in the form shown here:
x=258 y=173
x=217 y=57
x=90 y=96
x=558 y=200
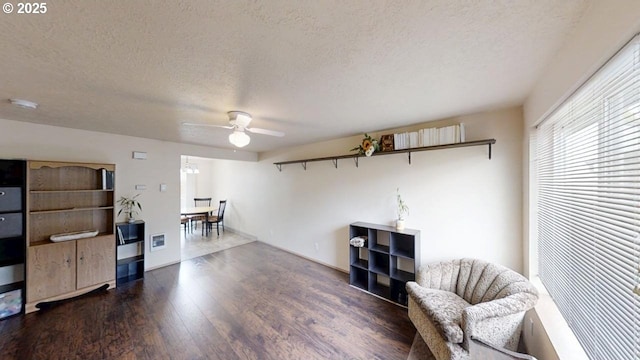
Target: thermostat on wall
x=157 y=242
x=139 y=155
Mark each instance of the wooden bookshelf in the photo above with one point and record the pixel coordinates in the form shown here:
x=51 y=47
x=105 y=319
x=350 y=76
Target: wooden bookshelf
x=65 y=197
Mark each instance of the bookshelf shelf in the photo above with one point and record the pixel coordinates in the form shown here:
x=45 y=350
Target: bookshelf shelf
x=129 y=260
x=361 y=263
x=69 y=191
x=70 y=210
x=356 y=157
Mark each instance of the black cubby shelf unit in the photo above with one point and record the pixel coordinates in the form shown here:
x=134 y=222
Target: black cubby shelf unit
x=12 y=234
x=389 y=259
x=130 y=240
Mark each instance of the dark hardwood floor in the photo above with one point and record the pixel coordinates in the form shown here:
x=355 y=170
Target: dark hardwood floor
x=249 y=302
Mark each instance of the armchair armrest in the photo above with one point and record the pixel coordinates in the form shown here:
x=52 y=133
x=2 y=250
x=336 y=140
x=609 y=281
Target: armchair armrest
x=496 y=319
x=481 y=349
x=509 y=305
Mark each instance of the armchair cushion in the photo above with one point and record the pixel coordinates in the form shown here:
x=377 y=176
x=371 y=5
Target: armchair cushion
x=444 y=308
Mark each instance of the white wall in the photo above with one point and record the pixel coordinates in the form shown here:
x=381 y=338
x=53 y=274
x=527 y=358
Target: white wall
x=464 y=203
x=161 y=210
x=196 y=185
x=604 y=28
x=203 y=184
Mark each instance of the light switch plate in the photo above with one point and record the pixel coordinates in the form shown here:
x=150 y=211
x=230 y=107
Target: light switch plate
x=163 y=187
x=141 y=187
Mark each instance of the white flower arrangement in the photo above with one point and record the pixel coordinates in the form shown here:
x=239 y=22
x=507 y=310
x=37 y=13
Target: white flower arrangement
x=368 y=147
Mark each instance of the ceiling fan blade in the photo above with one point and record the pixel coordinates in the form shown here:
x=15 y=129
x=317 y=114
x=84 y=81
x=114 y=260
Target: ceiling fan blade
x=265 y=132
x=209 y=125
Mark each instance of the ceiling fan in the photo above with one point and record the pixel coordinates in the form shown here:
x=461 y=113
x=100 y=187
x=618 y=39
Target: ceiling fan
x=239 y=122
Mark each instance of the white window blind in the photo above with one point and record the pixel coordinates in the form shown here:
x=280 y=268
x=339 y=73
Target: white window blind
x=588 y=208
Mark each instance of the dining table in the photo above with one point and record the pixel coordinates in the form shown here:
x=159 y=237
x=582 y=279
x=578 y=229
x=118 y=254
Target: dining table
x=200 y=210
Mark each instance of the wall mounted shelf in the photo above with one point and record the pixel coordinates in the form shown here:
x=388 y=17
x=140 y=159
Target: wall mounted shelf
x=355 y=157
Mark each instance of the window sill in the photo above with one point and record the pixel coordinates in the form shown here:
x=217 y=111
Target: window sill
x=564 y=342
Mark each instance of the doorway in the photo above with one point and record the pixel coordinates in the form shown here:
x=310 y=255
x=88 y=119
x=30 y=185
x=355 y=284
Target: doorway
x=197 y=180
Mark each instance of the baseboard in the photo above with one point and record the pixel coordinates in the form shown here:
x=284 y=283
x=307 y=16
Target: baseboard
x=248 y=236
x=163 y=265
x=255 y=238
x=305 y=257
x=226 y=228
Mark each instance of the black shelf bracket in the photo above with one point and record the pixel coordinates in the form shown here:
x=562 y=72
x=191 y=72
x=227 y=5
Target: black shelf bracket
x=409 y=153
x=356 y=160
x=279 y=166
x=335 y=162
x=304 y=164
x=489 y=151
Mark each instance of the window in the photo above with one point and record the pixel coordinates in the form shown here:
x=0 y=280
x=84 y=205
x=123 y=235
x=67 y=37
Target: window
x=588 y=208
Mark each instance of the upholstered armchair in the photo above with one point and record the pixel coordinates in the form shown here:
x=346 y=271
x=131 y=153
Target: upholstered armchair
x=451 y=302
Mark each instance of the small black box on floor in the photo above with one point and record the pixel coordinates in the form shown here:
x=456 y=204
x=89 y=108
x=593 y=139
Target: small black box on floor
x=11 y=300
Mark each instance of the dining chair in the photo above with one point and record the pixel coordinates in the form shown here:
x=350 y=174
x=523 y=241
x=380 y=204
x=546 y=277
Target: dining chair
x=218 y=220
x=198 y=202
x=186 y=221
x=202 y=202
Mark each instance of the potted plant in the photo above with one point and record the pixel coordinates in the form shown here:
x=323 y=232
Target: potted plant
x=129 y=206
x=403 y=210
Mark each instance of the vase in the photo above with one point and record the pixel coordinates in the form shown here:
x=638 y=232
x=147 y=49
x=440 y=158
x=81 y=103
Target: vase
x=400 y=224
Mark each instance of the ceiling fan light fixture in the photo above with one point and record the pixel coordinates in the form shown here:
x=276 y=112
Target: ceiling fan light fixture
x=239 y=118
x=239 y=138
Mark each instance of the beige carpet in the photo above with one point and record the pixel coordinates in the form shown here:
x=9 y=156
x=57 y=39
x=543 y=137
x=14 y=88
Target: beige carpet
x=194 y=244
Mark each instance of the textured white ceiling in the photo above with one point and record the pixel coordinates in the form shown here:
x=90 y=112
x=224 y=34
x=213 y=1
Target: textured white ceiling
x=315 y=69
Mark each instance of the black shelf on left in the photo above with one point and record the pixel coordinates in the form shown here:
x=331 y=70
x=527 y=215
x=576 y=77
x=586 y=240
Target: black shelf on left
x=131 y=236
x=12 y=235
